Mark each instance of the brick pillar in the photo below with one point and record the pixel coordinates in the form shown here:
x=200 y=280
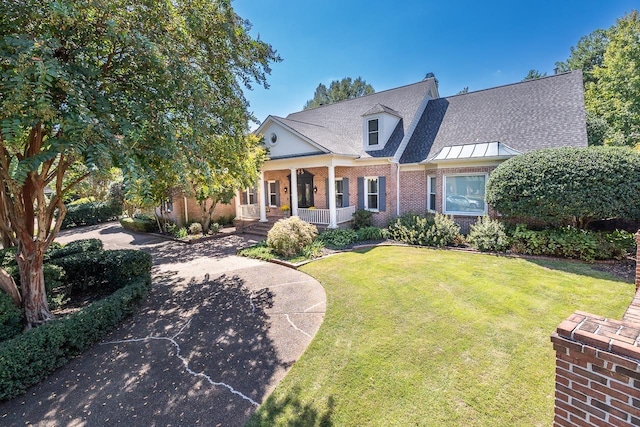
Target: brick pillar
x=597 y=372
x=638 y=260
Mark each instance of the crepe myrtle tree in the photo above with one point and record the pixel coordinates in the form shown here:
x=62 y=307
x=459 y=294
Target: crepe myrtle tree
x=111 y=83
x=568 y=185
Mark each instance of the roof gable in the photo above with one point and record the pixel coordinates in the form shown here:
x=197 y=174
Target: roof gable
x=526 y=116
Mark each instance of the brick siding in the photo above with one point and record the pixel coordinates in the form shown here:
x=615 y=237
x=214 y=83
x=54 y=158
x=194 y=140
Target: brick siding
x=194 y=211
x=598 y=367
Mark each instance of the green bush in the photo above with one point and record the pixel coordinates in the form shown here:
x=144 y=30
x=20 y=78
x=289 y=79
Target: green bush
x=142 y=225
x=362 y=218
x=214 y=228
x=568 y=185
x=369 y=233
x=488 y=235
x=439 y=230
x=180 y=233
x=28 y=358
x=90 y=214
x=10 y=318
x=258 y=251
x=565 y=242
x=288 y=236
x=313 y=250
x=195 y=228
x=337 y=238
x=75 y=247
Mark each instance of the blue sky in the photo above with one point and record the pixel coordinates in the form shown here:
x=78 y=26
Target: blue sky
x=393 y=43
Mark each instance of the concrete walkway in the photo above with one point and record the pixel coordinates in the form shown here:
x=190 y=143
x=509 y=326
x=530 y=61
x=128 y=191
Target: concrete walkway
x=216 y=335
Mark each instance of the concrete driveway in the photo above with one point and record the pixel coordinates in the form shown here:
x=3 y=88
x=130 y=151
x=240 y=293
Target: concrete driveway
x=216 y=335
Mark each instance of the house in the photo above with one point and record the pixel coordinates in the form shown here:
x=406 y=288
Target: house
x=408 y=150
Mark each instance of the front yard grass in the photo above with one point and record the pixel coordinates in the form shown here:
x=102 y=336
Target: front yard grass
x=424 y=337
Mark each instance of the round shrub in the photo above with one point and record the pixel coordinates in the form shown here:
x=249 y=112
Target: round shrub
x=139 y=224
x=289 y=236
x=195 y=228
x=488 y=235
x=568 y=185
x=214 y=228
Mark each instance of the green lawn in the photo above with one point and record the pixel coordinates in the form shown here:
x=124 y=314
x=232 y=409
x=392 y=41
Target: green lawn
x=423 y=337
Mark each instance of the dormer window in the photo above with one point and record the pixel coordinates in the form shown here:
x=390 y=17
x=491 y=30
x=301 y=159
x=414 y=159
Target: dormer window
x=373 y=132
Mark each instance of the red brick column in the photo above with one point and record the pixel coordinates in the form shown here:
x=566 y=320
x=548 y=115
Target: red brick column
x=597 y=372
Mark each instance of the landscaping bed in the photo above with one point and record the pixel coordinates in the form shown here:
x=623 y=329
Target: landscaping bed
x=91 y=291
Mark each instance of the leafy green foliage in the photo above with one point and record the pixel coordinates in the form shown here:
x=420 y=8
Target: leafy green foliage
x=139 y=224
x=430 y=230
x=75 y=247
x=533 y=75
x=488 y=235
x=569 y=242
x=338 y=238
x=90 y=214
x=568 y=185
x=339 y=90
x=258 y=251
x=155 y=89
x=369 y=233
x=586 y=55
x=614 y=95
x=288 y=236
x=10 y=318
x=362 y=218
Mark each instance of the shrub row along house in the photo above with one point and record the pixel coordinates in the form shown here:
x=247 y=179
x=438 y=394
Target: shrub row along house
x=408 y=150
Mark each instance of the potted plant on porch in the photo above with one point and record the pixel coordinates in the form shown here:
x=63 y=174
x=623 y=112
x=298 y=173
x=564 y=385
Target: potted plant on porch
x=285 y=210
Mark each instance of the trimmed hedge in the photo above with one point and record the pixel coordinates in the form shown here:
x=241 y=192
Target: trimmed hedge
x=27 y=359
x=75 y=247
x=90 y=214
x=143 y=225
x=430 y=230
x=568 y=185
x=10 y=318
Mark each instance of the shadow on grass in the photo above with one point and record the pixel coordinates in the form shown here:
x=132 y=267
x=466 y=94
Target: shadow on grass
x=300 y=414
x=622 y=271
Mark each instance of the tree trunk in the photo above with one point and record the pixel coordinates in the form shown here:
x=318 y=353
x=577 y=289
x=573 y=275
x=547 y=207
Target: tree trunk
x=34 y=299
x=206 y=217
x=8 y=285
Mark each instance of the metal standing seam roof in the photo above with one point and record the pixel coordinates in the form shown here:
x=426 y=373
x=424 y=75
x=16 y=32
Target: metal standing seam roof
x=482 y=150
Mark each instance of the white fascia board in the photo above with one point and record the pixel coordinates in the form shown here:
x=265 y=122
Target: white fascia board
x=320 y=160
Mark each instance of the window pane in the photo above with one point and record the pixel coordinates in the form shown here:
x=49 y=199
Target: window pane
x=373 y=125
x=339 y=186
x=465 y=194
x=372 y=201
x=373 y=138
x=372 y=186
x=432 y=202
x=339 y=200
x=272 y=199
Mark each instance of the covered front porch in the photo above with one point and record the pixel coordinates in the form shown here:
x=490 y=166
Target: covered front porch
x=314 y=193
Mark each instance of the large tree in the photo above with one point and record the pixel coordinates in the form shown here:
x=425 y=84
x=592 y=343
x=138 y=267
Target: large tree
x=142 y=85
x=339 y=90
x=533 y=75
x=614 y=93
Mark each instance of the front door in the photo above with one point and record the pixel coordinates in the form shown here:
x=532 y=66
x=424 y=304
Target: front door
x=305 y=189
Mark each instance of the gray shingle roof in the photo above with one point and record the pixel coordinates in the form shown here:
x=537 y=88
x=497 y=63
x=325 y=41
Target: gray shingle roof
x=338 y=127
x=526 y=116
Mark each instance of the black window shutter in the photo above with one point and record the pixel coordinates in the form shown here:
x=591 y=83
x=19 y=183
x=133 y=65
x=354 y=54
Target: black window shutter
x=277 y=193
x=326 y=186
x=382 y=190
x=266 y=194
x=360 y=192
x=345 y=192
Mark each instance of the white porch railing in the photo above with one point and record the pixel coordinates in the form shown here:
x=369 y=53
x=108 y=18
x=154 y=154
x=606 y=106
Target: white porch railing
x=321 y=216
x=249 y=211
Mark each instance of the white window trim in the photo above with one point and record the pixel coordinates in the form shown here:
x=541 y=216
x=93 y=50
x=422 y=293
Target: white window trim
x=269 y=193
x=379 y=122
x=429 y=191
x=365 y=132
x=366 y=193
x=336 y=191
x=444 y=193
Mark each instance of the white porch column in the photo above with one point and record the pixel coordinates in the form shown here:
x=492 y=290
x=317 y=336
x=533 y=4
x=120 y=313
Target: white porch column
x=263 y=199
x=294 y=192
x=237 y=200
x=332 y=198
